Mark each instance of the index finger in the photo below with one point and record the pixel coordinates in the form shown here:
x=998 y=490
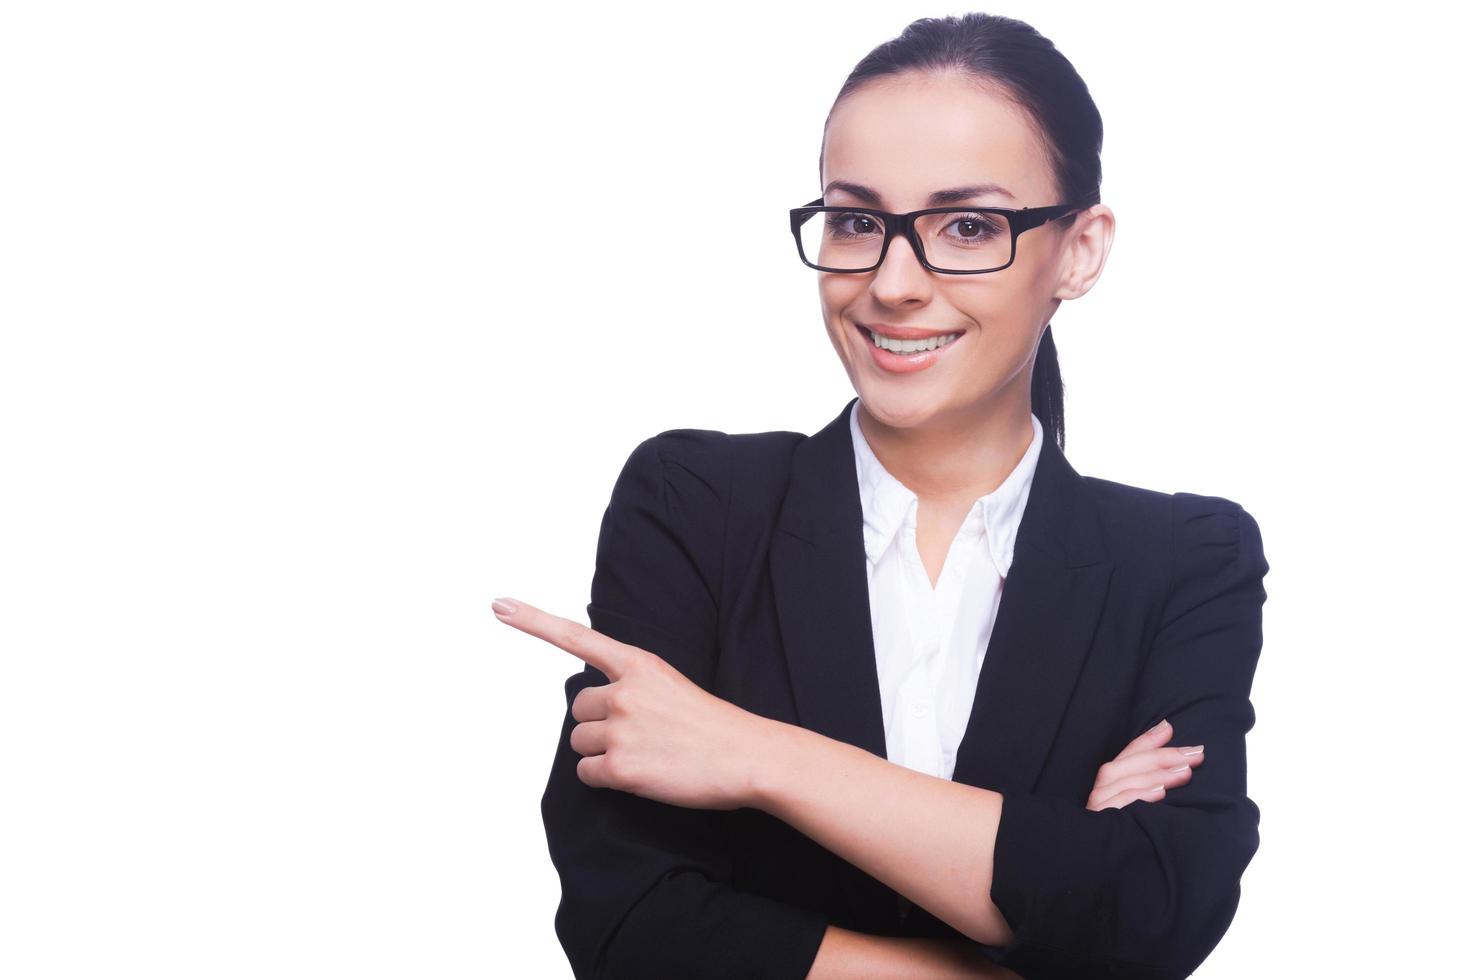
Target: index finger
x=609 y=656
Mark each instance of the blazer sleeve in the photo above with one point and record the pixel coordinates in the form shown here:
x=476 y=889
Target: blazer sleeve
x=645 y=886
x=1149 y=889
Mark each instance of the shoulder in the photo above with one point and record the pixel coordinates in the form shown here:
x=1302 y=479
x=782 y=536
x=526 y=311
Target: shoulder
x=1188 y=540
x=709 y=468
x=712 y=449
x=702 y=482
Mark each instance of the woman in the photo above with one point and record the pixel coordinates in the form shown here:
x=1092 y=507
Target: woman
x=810 y=738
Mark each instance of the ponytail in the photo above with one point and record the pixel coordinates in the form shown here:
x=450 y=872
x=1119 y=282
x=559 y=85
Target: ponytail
x=1046 y=390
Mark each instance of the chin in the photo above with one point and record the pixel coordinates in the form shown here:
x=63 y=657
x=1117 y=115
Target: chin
x=901 y=410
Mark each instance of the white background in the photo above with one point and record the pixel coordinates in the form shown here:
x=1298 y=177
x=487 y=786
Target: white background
x=298 y=371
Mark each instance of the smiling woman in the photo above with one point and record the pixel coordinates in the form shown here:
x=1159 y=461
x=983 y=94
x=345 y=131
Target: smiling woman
x=911 y=130
x=911 y=696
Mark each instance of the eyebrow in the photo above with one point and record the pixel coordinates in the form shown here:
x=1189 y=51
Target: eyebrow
x=938 y=199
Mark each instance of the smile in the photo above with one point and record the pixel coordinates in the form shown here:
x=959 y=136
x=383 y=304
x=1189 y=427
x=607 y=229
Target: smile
x=907 y=356
x=910 y=346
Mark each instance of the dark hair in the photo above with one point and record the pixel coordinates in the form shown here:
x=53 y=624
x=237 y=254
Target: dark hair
x=1026 y=67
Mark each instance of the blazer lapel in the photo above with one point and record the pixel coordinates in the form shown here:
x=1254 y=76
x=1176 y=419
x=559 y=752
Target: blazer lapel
x=818 y=568
x=1049 y=608
x=1050 y=604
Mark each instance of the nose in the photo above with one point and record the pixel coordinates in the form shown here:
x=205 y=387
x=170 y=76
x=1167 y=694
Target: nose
x=901 y=276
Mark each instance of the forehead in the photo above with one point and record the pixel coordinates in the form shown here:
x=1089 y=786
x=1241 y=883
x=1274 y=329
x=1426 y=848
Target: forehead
x=907 y=136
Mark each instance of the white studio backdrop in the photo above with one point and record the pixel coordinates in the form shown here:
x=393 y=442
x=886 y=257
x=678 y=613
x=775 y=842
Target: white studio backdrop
x=324 y=323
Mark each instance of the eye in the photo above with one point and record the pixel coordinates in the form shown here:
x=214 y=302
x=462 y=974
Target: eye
x=973 y=228
x=851 y=224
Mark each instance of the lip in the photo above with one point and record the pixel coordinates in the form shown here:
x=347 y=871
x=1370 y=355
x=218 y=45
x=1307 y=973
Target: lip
x=906 y=363
x=905 y=333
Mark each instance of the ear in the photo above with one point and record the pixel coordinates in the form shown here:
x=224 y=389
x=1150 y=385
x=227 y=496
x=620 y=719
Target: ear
x=1088 y=241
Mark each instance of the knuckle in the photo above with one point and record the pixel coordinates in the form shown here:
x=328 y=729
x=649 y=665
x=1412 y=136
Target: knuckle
x=616 y=766
x=621 y=700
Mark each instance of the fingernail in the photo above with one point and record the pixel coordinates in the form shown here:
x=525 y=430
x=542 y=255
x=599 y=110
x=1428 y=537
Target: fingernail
x=504 y=606
x=1179 y=769
x=1193 y=750
x=1159 y=726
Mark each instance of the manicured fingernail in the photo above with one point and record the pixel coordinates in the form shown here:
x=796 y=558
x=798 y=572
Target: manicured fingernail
x=1179 y=769
x=1160 y=725
x=1193 y=750
x=504 y=606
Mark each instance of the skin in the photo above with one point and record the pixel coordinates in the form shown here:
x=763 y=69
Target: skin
x=951 y=433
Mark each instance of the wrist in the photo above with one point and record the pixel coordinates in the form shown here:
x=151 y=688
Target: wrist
x=772 y=760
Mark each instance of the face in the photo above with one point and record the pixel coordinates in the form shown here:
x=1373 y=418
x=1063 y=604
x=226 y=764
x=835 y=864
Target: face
x=904 y=138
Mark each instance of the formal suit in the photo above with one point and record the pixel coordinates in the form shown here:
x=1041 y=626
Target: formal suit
x=739 y=559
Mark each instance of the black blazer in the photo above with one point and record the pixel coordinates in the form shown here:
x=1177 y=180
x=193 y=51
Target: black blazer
x=739 y=559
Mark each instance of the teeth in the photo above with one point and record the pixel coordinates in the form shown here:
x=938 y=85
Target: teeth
x=912 y=346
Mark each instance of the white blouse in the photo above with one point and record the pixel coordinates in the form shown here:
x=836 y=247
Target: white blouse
x=930 y=640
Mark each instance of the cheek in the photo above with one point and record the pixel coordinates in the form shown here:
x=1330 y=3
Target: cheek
x=838 y=291
x=993 y=305
x=838 y=294
x=1009 y=300
x=1004 y=314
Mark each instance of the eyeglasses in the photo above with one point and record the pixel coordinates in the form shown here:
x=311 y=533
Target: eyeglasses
x=955 y=241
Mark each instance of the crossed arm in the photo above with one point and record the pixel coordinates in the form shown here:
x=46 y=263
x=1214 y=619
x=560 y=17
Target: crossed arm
x=1141 y=891
x=929 y=839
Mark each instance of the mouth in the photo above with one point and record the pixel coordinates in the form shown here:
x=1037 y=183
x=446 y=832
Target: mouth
x=908 y=355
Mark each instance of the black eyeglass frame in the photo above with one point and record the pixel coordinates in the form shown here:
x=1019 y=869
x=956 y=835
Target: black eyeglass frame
x=1019 y=219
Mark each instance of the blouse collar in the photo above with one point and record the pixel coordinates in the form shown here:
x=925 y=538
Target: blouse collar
x=888 y=506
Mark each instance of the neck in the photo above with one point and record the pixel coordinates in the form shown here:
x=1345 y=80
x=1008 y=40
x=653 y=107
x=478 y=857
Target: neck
x=953 y=457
